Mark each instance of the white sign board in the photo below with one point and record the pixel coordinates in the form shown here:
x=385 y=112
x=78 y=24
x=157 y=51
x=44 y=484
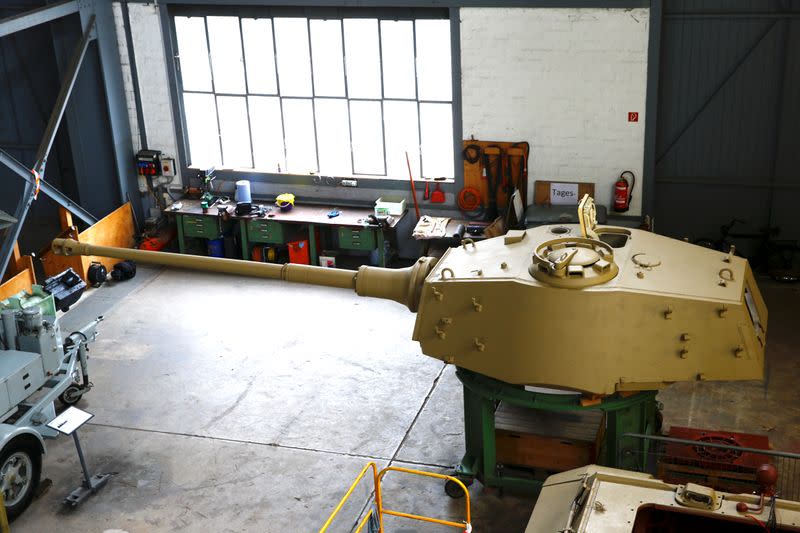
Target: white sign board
x=564 y=193
x=69 y=420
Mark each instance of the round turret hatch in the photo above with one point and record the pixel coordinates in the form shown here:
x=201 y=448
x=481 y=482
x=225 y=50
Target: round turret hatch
x=573 y=262
x=583 y=256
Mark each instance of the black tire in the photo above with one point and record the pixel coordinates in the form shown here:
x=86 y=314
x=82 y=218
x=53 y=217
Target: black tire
x=452 y=489
x=71 y=395
x=24 y=455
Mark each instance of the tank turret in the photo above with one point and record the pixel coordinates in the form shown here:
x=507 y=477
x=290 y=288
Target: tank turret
x=572 y=306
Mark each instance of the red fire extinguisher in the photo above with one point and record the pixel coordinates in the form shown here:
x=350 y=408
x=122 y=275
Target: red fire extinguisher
x=623 y=192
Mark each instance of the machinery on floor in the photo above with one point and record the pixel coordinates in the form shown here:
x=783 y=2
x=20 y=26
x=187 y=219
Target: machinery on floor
x=37 y=365
x=600 y=499
x=608 y=313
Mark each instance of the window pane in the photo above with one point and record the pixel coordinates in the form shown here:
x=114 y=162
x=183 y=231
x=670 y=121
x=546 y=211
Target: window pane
x=363 y=59
x=333 y=136
x=397 y=49
x=294 y=61
x=259 y=56
x=267 y=131
x=402 y=135
x=433 y=60
x=326 y=50
x=201 y=126
x=436 y=125
x=226 y=54
x=365 y=121
x=193 y=53
x=301 y=154
x=234 y=132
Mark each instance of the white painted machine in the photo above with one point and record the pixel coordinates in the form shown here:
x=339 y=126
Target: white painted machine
x=37 y=365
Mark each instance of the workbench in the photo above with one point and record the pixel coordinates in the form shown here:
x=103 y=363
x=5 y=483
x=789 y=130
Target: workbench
x=277 y=227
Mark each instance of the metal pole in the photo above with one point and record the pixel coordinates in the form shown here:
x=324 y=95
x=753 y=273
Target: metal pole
x=687 y=442
x=37 y=16
x=63 y=98
x=87 y=479
x=59 y=197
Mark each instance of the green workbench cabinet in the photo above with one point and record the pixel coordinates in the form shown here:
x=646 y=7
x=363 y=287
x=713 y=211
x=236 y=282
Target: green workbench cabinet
x=200 y=226
x=356 y=238
x=265 y=231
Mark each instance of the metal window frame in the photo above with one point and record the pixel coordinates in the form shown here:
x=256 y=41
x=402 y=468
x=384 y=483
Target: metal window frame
x=372 y=181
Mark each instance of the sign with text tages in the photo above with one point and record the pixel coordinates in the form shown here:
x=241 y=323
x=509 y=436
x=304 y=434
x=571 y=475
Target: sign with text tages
x=564 y=193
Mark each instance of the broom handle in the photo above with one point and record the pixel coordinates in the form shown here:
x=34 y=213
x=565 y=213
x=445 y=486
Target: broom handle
x=413 y=189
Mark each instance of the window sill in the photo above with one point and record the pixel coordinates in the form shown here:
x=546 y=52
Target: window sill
x=313 y=179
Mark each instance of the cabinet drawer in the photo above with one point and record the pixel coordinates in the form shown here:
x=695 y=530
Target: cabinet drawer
x=24 y=382
x=200 y=226
x=356 y=239
x=267 y=231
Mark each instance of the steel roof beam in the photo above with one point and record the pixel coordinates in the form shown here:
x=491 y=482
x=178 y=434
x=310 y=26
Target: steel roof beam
x=35 y=17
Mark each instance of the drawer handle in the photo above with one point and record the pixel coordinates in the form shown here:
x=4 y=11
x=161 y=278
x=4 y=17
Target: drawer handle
x=26 y=376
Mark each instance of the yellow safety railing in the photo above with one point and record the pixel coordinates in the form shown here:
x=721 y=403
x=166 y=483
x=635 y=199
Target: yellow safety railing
x=381 y=511
x=375 y=482
x=377 y=477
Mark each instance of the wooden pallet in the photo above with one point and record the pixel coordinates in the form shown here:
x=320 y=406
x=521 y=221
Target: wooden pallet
x=553 y=441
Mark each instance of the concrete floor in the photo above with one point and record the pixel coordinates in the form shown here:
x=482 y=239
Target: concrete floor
x=227 y=404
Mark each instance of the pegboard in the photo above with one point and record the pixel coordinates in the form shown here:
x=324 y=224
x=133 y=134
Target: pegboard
x=517 y=171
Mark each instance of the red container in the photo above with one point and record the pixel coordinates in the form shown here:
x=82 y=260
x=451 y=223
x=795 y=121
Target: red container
x=298 y=252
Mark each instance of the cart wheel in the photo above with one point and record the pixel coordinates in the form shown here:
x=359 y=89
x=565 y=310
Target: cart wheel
x=20 y=471
x=452 y=489
x=71 y=395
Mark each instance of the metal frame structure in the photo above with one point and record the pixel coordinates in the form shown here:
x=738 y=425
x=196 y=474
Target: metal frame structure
x=98 y=27
x=34 y=178
x=645 y=451
x=37 y=16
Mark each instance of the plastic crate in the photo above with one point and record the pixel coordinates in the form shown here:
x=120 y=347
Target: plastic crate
x=390 y=206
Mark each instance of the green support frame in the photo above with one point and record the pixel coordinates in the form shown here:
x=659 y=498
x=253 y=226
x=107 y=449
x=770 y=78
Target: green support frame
x=637 y=413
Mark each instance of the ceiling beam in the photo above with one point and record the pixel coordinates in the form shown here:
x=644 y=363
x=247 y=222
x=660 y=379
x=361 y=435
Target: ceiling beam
x=37 y=16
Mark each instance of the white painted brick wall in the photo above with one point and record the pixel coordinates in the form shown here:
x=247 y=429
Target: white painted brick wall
x=153 y=84
x=563 y=79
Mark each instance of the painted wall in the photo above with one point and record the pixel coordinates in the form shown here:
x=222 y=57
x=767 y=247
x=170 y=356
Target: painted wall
x=564 y=80
x=153 y=83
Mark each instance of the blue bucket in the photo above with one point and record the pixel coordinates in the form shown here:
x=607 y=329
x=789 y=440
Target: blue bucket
x=216 y=247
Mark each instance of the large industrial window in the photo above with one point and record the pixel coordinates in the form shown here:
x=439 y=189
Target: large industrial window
x=304 y=95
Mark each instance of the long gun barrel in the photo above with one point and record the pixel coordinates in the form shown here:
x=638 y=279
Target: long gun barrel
x=402 y=285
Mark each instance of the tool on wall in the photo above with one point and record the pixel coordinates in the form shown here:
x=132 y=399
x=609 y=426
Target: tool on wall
x=470 y=202
x=492 y=168
x=623 y=192
x=437 y=196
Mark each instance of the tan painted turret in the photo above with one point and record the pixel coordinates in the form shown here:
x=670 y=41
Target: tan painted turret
x=594 y=309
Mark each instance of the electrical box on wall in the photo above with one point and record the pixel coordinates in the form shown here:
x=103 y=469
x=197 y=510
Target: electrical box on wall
x=148 y=162
x=167 y=167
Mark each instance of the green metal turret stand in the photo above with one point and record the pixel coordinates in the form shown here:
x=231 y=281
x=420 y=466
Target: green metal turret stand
x=638 y=412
